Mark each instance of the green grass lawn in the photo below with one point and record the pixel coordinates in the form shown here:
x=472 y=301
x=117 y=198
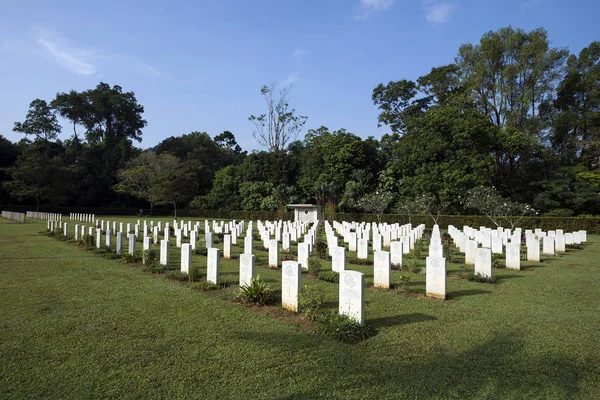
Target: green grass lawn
x=76 y=325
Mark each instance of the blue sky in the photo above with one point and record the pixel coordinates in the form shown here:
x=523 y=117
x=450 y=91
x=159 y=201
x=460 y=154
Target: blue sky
x=199 y=65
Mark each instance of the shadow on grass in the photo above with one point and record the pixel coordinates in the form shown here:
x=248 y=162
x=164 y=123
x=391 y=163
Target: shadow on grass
x=397 y=320
x=464 y=293
x=502 y=367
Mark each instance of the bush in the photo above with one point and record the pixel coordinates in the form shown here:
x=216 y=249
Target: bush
x=359 y=261
x=329 y=276
x=314 y=266
x=310 y=300
x=321 y=250
x=497 y=261
x=418 y=249
x=342 y=327
x=450 y=252
x=205 y=286
x=413 y=266
x=396 y=267
x=257 y=292
x=177 y=275
x=150 y=257
x=201 y=251
x=473 y=277
x=132 y=258
x=194 y=273
x=403 y=280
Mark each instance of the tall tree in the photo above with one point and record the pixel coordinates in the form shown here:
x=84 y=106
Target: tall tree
x=280 y=125
x=40 y=122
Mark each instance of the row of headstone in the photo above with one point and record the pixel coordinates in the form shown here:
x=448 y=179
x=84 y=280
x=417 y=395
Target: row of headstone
x=79 y=217
x=43 y=216
x=14 y=216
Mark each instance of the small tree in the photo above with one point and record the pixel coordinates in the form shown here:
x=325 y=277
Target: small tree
x=40 y=122
x=489 y=202
x=408 y=206
x=430 y=205
x=280 y=125
x=376 y=203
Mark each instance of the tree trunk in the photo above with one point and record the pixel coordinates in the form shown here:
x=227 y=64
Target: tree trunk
x=37 y=208
x=175 y=208
x=151 y=207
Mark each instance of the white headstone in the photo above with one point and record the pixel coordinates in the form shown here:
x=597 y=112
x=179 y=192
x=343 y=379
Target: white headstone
x=303 y=255
x=186 y=257
x=483 y=262
x=247 y=262
x=559 y=243
x=513 y=256
x=119 y=244
x=131 y=243
x=290 y=285
x=273 y=253
x=396 y=253
x=213 y=264
x=164 y=252
x=548 y=245
x=209 y=240
x=351 y=295
x=496 y=245
x=363 y=249
x=381 y=272
x=533 y=250
x=338 y=260
x=470 y=254
x=435 y=277
x=226 y=246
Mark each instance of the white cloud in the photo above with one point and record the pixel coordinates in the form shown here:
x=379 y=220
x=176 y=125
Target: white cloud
x=530 y=3
x=301 y=54
x=291 y=79
x=368 y=7
x=439 y=13
x=75 y=60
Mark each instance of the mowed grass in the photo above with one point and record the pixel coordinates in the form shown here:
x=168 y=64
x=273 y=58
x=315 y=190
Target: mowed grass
x=76 y=325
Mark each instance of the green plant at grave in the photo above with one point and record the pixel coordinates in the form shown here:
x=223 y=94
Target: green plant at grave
x=342 y=327
x=396 y=267
x=321 y=249
x=194 y=273
x=150 y=259
x=314 y=266
x=310 y=300
x=132 y=258
x=205 y=286
x=86 y=240
x=257 y=292
x=473 y=277
x=413 y=266
x=449 y=252
x=403 y=280
x=360 y=261
x=418 y=249
x=497 y=261
x=329 y=276
x=217 y=239
x=177 y=275
x=201 y=251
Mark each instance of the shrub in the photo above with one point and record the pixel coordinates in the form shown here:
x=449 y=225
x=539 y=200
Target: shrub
x=450 y=252
x=132 y=258
x=418 y=249
x=403 y=280
x=314 y=266
x=150 y=257
x=177 y=275
x=194 y=273
x=310 y=300
x=201 y=251
x=473 y=277
x=321 y=250
x=288 y=257
x=342 y=327
x=205 y=286
x=413 y=266
x=257 y=292
x=396 y=267
x=360 y=261
x=497 y=261
x=329 y=276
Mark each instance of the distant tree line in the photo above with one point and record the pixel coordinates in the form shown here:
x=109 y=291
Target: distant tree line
x=512 y=118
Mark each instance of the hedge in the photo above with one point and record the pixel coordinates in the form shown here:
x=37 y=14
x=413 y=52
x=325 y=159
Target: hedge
x=590 y=224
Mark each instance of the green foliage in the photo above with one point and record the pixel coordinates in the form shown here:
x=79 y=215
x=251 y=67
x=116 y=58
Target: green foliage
x=132 y=258
x=202 y=251
x=329 y=276
x=449 y=252
x=314 y=266
x=177 y=275
x=497 y=261
x=151 y=261
x=310 y=300
x=473 y=277
x=194 y=273
x=204 y=286
x=403 y=280
x=321 y=249
x=257 y=292
x=342 y=328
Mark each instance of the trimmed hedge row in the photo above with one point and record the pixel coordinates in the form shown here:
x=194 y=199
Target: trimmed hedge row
x=590 y=224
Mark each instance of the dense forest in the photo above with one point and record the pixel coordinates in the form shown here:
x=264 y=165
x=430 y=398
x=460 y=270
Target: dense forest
x=512 y=115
